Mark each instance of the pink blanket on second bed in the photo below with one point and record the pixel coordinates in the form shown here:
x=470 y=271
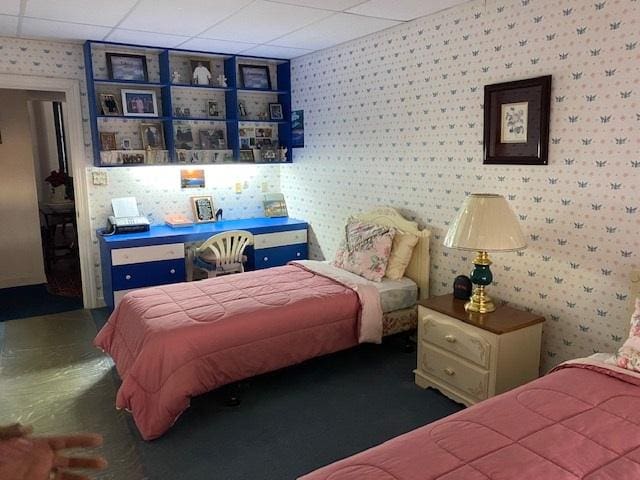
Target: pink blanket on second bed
x=580 y=422
x=173 y=342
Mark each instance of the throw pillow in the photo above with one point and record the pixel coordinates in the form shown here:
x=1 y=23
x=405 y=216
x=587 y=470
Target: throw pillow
x=629 y=354
x=401 y=251
x=365 y=250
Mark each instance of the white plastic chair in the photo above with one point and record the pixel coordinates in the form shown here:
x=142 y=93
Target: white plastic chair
x=220 y=254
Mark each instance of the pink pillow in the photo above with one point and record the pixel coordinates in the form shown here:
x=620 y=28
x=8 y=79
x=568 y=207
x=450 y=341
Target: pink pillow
x=365 y=250
x=629 y=354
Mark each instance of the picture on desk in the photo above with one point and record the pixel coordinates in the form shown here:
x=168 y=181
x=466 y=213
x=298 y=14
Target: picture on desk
x=203 y=210
x=192 y=178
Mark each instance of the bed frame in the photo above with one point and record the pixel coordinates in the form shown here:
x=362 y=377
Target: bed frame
x=418 y=269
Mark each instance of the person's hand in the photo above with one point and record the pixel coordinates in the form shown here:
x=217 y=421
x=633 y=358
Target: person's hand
x=41 y=458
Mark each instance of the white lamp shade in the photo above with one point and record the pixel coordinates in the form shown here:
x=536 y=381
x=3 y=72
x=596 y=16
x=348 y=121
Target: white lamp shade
x=485 y=223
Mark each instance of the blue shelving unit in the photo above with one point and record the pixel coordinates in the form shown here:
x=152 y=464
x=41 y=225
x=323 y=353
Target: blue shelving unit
x=233 y=93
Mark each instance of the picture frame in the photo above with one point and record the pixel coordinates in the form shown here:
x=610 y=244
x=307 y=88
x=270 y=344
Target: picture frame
x=127 y=67
x=268 y=153
x=203 y=209
x=274 y=205
x=212 y=139
x=183 y=137
x=246 y=155
x=139 y=103
x=152 y=134
x=275 y=111
x=516 y=122
x=201 y=72
x=297 y=129
x=212 y=109
x=126 y=143
x=109 y=104
x=192 y=178
x=108 y=141
x=255 y=77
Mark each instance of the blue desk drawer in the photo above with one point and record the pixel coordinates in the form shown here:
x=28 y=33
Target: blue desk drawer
x=277 y=256
x=136 y=275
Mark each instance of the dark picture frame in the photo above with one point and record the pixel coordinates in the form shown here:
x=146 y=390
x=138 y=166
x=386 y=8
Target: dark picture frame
x=127 y=67
x=255 y=77
x=246 y=155
x=297 y=129
x=152 y=135
x=275 y=111
x=516 y=122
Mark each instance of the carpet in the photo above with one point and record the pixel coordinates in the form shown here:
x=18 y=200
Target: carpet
x=54 y=379
x=33 y=300
x=295 y=420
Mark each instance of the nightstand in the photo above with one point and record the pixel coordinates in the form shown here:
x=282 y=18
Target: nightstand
x=470 y=356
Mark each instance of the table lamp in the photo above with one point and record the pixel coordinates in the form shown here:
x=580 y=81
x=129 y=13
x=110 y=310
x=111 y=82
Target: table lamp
x=484 y=224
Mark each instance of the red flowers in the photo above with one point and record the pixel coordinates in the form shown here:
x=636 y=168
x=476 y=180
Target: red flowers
x=57 y=178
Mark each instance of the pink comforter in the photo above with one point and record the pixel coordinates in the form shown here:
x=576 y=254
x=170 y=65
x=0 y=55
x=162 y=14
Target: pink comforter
x=173 y=342
x=581 y=422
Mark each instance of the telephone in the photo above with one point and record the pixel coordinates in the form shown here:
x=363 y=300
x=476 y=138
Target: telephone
x=126 y=218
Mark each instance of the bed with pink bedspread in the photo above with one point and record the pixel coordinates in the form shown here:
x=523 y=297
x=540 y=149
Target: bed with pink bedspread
x=173 y=342
x=580 y=422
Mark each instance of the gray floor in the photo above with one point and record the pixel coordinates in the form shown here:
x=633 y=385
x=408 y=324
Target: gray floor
x=54 y=379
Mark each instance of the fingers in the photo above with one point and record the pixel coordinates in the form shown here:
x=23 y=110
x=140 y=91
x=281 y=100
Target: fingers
x=73 y=441
x=15 y=430
x=95 y=463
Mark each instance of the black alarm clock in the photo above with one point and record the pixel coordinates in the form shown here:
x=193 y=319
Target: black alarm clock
x=462 y=287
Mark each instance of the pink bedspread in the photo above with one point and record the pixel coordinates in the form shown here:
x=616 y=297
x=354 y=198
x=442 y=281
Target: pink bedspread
x=173 y=342
x=580 y=422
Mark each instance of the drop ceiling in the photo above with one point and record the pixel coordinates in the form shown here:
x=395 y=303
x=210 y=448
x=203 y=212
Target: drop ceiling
x=273 y=28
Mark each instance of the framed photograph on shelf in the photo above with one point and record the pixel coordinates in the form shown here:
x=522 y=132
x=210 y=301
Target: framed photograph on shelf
x=255 y=77
x=201 y=71
x=128 y=67
x=268 y=153
x=203 y=210
x=126 y=144
x=152 y=136
x=108 y=141
x=139 y=103
x=275 y=111
x=109 y=104
x=212 y=109
x=184 y=137
x=516 y=122
x=212 y=139
x=274 y=205
x=246 y=155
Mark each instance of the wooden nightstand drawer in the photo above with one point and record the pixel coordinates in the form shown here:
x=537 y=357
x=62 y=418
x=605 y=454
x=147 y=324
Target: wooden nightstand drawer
x=465 y=377
x=453 y=336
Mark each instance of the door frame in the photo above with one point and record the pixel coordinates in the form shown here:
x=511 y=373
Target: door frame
x=73 y=104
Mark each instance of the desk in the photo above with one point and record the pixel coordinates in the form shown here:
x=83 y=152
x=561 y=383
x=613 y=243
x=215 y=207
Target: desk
x=157 y=257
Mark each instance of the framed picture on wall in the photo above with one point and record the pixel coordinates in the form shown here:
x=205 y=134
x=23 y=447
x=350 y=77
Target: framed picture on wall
x=139 y=103
x=124 y=66
x=203 y=210
x=109 y=104
x=516 y=122
x=152 y=135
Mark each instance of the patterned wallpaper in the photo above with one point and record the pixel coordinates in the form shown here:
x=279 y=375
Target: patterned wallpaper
x=157 y=189
x=396 y=118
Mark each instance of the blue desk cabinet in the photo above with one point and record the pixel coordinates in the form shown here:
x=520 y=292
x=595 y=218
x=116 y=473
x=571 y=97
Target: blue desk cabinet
x=157 y=257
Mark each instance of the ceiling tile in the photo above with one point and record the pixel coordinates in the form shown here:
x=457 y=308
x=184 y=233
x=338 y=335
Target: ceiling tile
x=10 y=7
x=333 y=30
x=186 y=17
x=93 y=12
x=403 y=9
x=34 y=27
x=263 y=21
x=8 y=25
x=336 y=5
x=218 y=46
x=276 y=52
x=136 y=37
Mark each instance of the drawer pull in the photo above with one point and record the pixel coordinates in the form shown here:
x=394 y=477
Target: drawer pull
x=297 y=254
x=172 y=271
x=127 y=277
x=266 y=259
x=450 y=338
x=450 y=371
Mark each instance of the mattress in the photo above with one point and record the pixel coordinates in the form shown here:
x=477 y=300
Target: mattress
x=579 y=422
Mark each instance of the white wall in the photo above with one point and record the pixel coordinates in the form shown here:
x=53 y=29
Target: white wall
x=20 y=244
x=396 y=118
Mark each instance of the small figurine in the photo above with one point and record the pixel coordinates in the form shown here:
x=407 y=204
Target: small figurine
x=176 y=77
x=201 y=75
x=283 y=153
x=222 y=81
x=243 y=111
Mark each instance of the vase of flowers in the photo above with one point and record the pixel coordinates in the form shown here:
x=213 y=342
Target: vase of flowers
x=58 y=179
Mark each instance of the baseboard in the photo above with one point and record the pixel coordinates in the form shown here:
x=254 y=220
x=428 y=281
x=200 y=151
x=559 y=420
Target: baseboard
x=21 y=281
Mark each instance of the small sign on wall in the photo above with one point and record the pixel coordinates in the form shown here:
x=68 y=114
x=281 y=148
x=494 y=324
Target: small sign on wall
x=297 y=128
x=192 y=178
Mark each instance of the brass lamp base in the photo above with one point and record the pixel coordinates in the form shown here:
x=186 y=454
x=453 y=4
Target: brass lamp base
x=480 y=302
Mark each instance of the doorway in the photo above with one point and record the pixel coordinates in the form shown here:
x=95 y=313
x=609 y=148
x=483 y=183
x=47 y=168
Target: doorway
x=59 y=204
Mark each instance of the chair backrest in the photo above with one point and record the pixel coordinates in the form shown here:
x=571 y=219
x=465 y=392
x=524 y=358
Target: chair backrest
x=227 y=247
